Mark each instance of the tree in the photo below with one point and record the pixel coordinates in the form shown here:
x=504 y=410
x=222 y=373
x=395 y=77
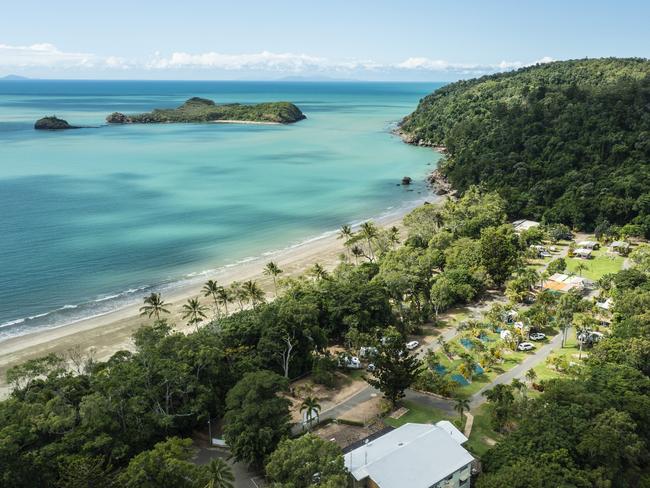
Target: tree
x=640 y=257
x=211 y=289
x=369 y=232
x=357 y=252
x=556 y=266
x=396 y=369
x=502 y=400
x=312 y=408
x=78 y=471
x=461 y=406
x=153 y=306
x=318 y=272
x=273 y=270
x=306 y=462
x=167 y=464
x=194 y=311
x=531 y=375
x=219 y=474
x=499 y=252
x=253 y=292
x=257 y=417
x=238 y=293
x=393 y=236
x=441 y=295
x=580 y=267
x=225 y=297
x=347 y=234
x=612 y=443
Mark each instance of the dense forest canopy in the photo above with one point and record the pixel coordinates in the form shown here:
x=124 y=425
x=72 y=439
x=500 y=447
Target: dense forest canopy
x=565 y=141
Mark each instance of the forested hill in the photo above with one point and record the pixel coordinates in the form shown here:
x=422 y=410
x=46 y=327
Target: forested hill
x=565 y=141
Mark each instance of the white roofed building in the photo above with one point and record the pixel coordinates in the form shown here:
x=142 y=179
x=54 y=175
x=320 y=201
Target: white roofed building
x=413 y=456
x=523 y=224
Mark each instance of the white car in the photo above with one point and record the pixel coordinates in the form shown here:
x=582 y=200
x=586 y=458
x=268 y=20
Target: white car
x=525 y=346
x=412 y=345
x=537 y=336
x=352 y=362
x=372 y=368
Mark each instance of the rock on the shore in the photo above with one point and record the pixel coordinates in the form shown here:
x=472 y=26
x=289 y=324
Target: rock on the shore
x=118 y=118
x=406 y=180
x=439 y=183
x=52 y=123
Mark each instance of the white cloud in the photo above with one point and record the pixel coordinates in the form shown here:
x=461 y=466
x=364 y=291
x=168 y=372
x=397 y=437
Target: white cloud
x=42 y=55
x=48 y=56
x=265 y=61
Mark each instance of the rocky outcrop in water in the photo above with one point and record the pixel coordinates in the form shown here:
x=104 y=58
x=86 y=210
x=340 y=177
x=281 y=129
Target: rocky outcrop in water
x=118 y=118
x=53 y=123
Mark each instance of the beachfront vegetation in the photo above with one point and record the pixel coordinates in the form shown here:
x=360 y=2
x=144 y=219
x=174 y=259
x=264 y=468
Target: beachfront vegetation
x=109 y=418
x=236 y=366
x=203 y=110
x=564 y=141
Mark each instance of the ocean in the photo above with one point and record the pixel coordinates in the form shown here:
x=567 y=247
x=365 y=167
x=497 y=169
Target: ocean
x=93 y=219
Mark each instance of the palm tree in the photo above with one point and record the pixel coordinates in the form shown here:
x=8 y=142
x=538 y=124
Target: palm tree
x=345 y=232
x=273 y=270
x=211 y=289
x=253 y=291
x=393 y=236
x=238 y=294
x=153 y=306
x=580 y=267
x=312 y=407
x=519 y=385
x=531 y=375
x=194 y=311
x=445 y=346
x=461 y=406
x=357 y=252
x=220 y=474
x=467 y=366
x=369 y=232
x=318 y=272
x=225 y=297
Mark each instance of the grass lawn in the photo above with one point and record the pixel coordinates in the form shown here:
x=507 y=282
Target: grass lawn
x=570 y=351
x=600 y=265
x=421 y=415
x=482 y=435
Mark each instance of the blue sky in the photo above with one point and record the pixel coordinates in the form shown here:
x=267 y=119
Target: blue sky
x=355 y=39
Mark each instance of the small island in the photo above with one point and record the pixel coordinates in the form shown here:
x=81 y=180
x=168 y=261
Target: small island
x=200 y=110
x=53 y=123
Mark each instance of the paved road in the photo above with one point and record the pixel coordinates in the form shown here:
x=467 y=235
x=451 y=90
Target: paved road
x=520 y=370
x=477 y=399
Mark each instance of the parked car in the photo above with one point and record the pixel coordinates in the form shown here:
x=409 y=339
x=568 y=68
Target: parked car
x=505 y=334
x=412 y=345
x=368 y=352
x=371 y=367
x=590 y=337
x=525 y=346
x=352 y=362
x=537 y=336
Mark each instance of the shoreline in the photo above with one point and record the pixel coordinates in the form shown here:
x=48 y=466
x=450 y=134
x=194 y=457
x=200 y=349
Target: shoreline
x=110 y=332
x=247 y=122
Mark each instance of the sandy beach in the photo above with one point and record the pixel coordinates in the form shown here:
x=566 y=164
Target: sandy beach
x=112 y=332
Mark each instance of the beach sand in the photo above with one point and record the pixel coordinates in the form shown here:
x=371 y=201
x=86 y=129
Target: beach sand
x=112 y=332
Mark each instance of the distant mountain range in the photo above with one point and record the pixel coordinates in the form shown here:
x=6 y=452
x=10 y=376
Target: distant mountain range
x=13 y=78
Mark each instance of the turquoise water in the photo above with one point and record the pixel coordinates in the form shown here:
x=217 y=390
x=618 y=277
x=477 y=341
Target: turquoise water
x=94 y=218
